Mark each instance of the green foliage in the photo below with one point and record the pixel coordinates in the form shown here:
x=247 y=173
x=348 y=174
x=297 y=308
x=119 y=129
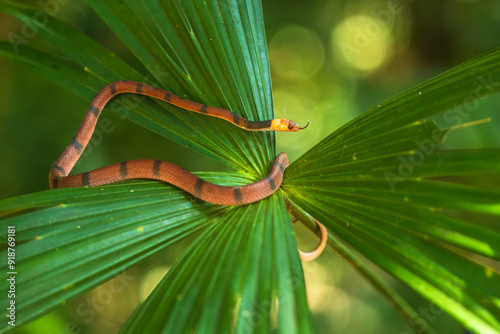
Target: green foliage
x=381 y=184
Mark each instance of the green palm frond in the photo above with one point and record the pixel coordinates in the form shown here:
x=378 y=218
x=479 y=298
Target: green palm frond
x=389 y=194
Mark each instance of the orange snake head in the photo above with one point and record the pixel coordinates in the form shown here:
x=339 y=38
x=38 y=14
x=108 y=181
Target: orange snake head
x=282 y=124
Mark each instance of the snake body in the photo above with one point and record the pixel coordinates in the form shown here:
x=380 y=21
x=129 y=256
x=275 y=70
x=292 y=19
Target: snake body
x=168 y=172
x=165 y=171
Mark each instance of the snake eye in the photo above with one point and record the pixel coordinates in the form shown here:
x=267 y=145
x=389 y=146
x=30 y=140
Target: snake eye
x=290 y=126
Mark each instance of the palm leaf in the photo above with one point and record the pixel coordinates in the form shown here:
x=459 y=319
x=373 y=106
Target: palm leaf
x=123 y=224
x=381 y=183
x=120 y=225
x=252 y=99
x=201 y=277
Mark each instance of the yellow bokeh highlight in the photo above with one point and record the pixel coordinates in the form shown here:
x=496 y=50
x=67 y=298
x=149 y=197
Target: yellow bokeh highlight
x=296 y=53
x=151 y=280
x=362 y=42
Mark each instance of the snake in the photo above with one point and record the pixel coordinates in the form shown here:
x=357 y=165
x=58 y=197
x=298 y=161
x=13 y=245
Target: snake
x=166 y=171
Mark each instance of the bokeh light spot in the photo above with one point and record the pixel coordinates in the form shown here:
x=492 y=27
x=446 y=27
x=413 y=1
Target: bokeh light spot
x=362 y=42
x=296 y=53
x=151 y=280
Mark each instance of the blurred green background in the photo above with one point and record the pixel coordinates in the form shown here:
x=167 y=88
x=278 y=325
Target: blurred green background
x=330 y=61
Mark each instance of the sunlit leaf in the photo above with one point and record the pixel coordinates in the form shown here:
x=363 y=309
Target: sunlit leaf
x=76 y=239
x=385 y=188
x=382 y=184
x=240 y=271
x=234 y=80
